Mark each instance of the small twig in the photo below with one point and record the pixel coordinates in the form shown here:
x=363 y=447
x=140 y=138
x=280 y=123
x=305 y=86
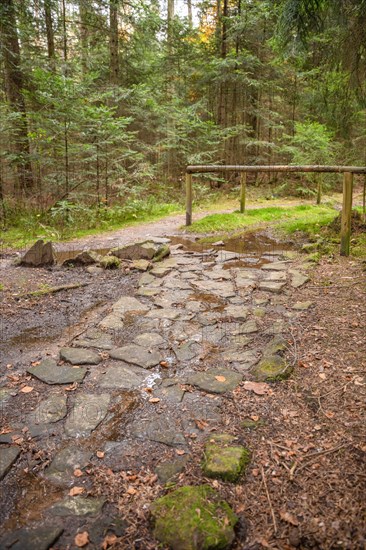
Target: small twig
x=269 y=500
x=50 y=290
x=310 y=458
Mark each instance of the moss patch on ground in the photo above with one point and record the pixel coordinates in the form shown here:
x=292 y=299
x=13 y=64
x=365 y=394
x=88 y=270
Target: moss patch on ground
x=272 y=368
x=224 y=460
x=193 y=518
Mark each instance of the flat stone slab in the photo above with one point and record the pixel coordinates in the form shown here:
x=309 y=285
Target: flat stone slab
x=79 y=356
x=141 y=265
x=223 y=289
x=39 y=538
x=113 y=321
x=5 y=394
x=249 y=327
x=170 y=390
x=149 y=340
x=78 y=506
x=165 y=313
x=239 y=313
x=126 y=377
x=160 y=271
x=88 y=412
x=224 y=459
x=272 y=286
x=271 y=368
x=51 y=373
x=65 y=462
x=168 y=470
x=158 y=429
x=50 y=410
x=94 y=338
x=146 y=291
x=137 y=355
x=302 y=306
x=276 y=266
x=8 y=456
x=127 y=304
x=187 y=351
x=216 y=380
x=275 y=346
x=177 y=526
x=298 y=279
x=246 y=358
x=275 y=276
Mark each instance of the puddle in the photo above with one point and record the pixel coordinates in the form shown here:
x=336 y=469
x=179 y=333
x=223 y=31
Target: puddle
x=114 y=428
x=63 y=255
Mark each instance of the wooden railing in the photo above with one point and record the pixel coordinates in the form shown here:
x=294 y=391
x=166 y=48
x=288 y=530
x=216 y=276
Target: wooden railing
x=348 y=172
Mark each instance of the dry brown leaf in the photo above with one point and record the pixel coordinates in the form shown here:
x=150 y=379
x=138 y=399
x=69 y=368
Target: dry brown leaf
x=148 y=390
x=201 y=424
x=164 y=364
x=289 y=518
x=259 y=388
x=100 y=454
x=109 y=540
x=74 y=491
x=131 y=491
x=78 y=472
x=220 y=378
x=322 y=375
x=26 y=389
x=154 y=400
x=254 y=417
x=82 y=539
x=180 y=452
x=329 y=414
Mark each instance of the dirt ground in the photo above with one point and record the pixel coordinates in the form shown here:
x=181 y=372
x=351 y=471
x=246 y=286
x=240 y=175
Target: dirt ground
x=305 y=485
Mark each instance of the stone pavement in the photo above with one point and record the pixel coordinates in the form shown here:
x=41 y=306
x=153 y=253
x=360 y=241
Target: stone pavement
x=152 y=374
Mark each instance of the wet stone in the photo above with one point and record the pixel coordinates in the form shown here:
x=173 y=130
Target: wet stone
x=50 y=410
x=137 y=355
x=5 y=394
x=170 y=390
x=86 y=257
x=149 y=339
x=187 y=351
x=275 y=276
x=223 y=289
x=158 y=429
x=8 y=456
x=88 y=412
x=38 y=538
x=298 y=279
x=126 y=377
x=245 y=358
x=177 y=526
x=160 y=271
x=127 y=304
x=168 y=470
x=223 y=459
x=78 y=506
x=271 y=369
x=51 y=373
x=271 y=286
x=218 y=380
x=65 y=462
x=94 y=338
x=77 y=356
x=40 y=254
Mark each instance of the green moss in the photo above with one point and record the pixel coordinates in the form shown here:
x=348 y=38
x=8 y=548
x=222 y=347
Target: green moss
x=223 y=460
x=110 y=262
x=193 y=518
x=163 y=252
x=250 y=424
x=272 y=368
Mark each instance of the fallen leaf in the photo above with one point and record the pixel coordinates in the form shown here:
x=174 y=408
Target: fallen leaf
x=255 y=472
x=131 y=491
x=17 y=439
x=322 y=375
x=82 y=539
x=201 y=424
x=259 y=388
x=78 y=472
x=109 y=540
x=154 y=400
x=180 y=452
x=329 y=414
x=26 y=389
x=289 y=518
x=254 y=417
x=148 y=390
x=100 y=454
x=74 y=491
x=220 y=378
x=164 y=364
x=73 y=387
x=35 y=363
x=303 y=365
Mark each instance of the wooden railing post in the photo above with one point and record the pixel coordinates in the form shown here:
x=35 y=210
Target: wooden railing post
x=243 y=191
x=188 y=198
x=346 y=213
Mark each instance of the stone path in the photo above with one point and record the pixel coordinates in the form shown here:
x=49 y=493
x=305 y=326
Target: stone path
x=155 y=371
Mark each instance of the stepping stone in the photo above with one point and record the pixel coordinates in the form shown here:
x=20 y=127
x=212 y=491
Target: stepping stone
x=88 y=412
x=241 y=339
x=77 y=356
x=215 y=334
x=275 y=276
x=227 y=256
x=5 y=394
x=50 y=410
x=170 y=390
x=149 y=280
x=141 y=265
x=145 y=291
x=298 y=279
x=276 y=266
x=112 y=321
x=158 y=429
x=39 y=538
x=247 y=328
x=194 y=306
x=8 y=456
x=177 y=524
x=149 y=339
x=271 y=369
x=177 y=284
x=246 y=358
x=223 y=459
x=239 y=313
x=223 y=289
x=187 y=351
x=125 y=377
x=219 y=275
x=65 y=462
x=94 y=338
x=137 y=355
x=302 y=306
x=168 y=470
x=208 y=317
x=260 y=301
x=271 y=286
x=146 y=250
x=215 y=380
x=51 y=373
x=160 y=271
x=259 y=312
x=277 y=327
x=165 y=313
x=78 y=506
x=127 y=304
x=275 y=346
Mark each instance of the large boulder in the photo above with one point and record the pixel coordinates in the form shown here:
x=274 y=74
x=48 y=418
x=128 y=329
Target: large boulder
x=86 y=257
x=39 y=255
x=146 y=250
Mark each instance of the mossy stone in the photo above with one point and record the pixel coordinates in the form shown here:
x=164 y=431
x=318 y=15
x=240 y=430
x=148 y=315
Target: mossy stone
x=110 y=262
x=224 y=460
x=193 y=518
x=162 y=252
x=271 y=369
x=250 y=424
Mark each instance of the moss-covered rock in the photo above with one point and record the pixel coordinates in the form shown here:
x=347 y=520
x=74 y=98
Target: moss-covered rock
x=271 y=369
x=110 y=262
x=223 y=459
x=162 y=252
x=275 y=346
x=193 y=518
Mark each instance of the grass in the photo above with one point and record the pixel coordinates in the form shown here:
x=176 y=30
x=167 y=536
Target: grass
x=289 y=219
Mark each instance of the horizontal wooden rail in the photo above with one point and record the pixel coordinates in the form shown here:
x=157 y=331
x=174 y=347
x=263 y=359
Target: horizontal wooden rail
x=348 y=172
x=280 y=168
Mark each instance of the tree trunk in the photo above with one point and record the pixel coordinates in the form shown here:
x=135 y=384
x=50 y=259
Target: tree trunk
x=113 y=41
x=84 y=38
x=190 y=16
x=14 y=84
x=49 y=33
